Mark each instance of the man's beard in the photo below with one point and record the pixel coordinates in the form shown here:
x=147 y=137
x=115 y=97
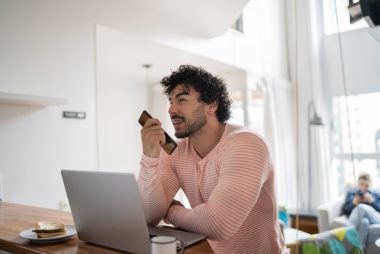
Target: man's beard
x=199 y=120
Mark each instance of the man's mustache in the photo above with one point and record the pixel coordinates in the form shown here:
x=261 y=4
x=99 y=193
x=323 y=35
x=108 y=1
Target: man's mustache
x=177 y=117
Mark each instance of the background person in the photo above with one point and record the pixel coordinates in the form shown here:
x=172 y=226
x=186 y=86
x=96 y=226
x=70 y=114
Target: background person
x=362 y=205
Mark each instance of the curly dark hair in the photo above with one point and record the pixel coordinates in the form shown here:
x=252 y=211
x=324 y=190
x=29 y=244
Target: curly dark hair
x=210 y=88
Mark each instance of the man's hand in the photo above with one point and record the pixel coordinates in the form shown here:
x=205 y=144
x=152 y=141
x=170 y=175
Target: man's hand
x=152 y=135
x=367 y=198
x=170 y=215
x=357 y=199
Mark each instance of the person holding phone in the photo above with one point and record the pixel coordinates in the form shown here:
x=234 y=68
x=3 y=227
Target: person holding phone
x=225 y=170
x=362 y=205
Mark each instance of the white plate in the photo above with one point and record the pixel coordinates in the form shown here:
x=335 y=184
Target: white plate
x=30 y=235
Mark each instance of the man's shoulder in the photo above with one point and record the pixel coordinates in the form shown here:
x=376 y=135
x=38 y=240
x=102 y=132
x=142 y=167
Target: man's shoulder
x=375 y=192
x=241 y=133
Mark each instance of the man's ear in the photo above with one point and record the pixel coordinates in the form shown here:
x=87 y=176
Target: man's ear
x=212 y=107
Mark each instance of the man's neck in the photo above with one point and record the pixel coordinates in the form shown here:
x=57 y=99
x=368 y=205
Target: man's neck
x=207 y=138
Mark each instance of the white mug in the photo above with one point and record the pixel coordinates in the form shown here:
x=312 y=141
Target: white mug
x=165 y=245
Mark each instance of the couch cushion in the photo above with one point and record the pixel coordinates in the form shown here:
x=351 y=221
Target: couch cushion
x=373 y=235
x=338 y=222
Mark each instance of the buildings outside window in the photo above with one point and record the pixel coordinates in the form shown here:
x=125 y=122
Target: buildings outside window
x=365 y=139
x=255 y=110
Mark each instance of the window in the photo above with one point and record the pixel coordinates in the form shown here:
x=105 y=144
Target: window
x=237 y=111
x=255 y=109
x=330 y=17
x=365 y=139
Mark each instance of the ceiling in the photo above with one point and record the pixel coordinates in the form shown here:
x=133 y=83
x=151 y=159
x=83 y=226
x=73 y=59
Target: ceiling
x=208 y=18
x=122 y=47
x=194 y=18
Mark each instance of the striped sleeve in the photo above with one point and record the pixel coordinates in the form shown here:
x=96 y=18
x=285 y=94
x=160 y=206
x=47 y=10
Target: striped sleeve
x=243 y=162
x=158 y=184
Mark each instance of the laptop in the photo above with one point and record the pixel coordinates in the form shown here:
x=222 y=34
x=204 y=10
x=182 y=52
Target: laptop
x=107 y=211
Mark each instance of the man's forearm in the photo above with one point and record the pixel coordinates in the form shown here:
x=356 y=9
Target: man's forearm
x=158 y=184
x=153 y=198
x=200 y=220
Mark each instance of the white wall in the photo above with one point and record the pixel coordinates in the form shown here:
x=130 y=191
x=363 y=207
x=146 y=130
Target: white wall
x=265 y=24
x=43 y=52
x=361 y=56
x=120 y=101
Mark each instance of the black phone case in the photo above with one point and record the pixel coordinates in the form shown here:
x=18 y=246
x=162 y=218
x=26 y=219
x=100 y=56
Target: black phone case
x=170 y=145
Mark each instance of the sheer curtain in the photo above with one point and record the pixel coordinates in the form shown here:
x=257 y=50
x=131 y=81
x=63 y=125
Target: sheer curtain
x=279 y=131
x=305 y=30
x=320 y=168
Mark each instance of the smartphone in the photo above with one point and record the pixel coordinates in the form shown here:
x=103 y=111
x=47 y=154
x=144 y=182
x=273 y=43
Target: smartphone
x=360 y=194
x=170 y=145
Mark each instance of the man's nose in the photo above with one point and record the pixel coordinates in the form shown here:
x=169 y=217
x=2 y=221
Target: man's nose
x=172 y=109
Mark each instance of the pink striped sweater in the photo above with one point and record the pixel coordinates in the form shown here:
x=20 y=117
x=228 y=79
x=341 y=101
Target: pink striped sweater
x=231 y=192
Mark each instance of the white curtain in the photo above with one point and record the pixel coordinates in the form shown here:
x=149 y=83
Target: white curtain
x=320 y=167
x=305 y=30
x=279 y=131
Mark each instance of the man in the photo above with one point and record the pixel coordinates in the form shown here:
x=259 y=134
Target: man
x=363 y=207
x=224 y=170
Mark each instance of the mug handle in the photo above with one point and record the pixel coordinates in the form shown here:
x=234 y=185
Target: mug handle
x=182 y=246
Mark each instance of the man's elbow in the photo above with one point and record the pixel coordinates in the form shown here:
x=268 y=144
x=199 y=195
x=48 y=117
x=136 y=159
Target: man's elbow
x=152 y=216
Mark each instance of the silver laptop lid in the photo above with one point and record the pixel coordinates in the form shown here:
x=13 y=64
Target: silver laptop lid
x=107 y=209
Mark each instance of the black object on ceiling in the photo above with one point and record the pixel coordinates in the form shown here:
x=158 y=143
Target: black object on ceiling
x=367 y=9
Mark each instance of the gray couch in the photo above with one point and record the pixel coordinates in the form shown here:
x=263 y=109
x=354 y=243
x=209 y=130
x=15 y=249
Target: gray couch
x=330 y=216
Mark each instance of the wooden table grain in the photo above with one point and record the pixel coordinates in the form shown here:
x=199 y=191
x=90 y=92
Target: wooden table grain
x=15 y=218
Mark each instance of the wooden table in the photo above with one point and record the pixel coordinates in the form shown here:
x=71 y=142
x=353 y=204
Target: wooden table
x=15 y=218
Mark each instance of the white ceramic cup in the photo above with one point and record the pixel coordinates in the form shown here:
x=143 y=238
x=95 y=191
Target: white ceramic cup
x=165 y=245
